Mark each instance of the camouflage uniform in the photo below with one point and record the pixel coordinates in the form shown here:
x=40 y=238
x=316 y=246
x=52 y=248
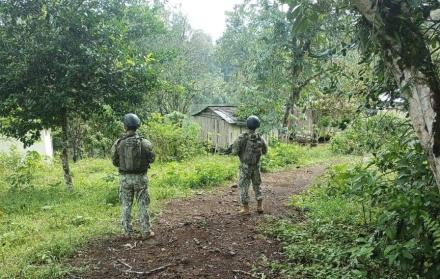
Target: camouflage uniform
x=134 y=183
x=249 y=168
x=249 y=173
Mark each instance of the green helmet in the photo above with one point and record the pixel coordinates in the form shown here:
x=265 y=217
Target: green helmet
x=253 y=122
x=131 y=121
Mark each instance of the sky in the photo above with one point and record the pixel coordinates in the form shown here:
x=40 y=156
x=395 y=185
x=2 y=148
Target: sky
x=208 y=15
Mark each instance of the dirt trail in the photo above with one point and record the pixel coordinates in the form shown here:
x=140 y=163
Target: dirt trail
x=201 y=237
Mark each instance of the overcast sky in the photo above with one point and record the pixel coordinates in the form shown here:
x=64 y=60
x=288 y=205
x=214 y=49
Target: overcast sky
x=208 y=15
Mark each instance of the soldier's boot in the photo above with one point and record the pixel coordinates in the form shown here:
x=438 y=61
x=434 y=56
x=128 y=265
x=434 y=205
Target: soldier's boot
x=245 y=209
x=148 y=235
x=127 y=235
x=260 y=207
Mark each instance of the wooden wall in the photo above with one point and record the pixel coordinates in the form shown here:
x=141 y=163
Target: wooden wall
x=217 y=131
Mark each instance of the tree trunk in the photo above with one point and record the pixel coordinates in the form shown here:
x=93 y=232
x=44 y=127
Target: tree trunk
x=76 y=139
x=408 y=56
x=291 y=100
x=290 y=104
x=64 y=154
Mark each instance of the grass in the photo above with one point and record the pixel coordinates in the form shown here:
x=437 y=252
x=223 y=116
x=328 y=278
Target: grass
x=283 y=156
x=41 y=224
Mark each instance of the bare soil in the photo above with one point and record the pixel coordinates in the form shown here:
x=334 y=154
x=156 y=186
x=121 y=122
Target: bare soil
x=201 y=237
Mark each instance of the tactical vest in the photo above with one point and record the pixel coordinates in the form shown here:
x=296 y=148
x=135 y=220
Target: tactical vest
x=132 y=157
x=252 y=149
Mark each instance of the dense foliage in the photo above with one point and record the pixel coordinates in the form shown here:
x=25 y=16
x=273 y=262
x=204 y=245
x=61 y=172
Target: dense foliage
x=273 y=67
x=280 y=155
x=384 y=211
x=66 y=58
x=369 y=134
x=173 y=136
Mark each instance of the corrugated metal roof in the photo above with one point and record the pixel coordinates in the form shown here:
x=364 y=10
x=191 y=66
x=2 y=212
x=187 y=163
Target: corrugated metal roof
x=224 y=112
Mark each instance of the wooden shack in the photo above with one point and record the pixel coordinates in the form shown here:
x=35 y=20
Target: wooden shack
x=219 y=125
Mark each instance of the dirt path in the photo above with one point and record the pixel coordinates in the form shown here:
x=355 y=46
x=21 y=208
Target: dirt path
x=201 y=237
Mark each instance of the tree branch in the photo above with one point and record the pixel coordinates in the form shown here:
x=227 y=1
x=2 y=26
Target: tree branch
x=435 y=50
x=308 y=80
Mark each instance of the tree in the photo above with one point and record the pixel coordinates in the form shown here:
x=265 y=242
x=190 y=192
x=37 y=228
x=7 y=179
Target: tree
x=402 y=36
x=185 y=62
x=254 y=60
x=67 y=58
x=270 y=53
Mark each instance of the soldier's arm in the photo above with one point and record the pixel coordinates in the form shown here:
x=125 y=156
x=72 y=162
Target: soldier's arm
x=115 y=154
x=265 y=148
x=148 y=147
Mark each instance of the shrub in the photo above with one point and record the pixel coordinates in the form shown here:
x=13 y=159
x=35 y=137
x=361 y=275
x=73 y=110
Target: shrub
x=367 y=134
x=174 y=137
x=19 y=170
x=380 y=219
x=196 y=174
x=281 y=155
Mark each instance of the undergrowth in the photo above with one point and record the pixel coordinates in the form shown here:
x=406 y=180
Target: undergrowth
x=379 y=218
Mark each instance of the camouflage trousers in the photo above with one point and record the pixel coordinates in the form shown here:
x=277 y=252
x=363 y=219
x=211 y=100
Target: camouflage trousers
x=248 y=174
x=135 y=185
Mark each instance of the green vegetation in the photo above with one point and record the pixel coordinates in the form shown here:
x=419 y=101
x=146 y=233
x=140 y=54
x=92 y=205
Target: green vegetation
x=330 y=242
x=41 y=223
x=174 y=136
x=368 y=134
x=282 y=155
x=307 y=68
x=376 y=219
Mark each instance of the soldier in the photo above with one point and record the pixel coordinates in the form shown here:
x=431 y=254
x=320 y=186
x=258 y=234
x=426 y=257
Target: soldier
x=133 y=154
x=249 y=147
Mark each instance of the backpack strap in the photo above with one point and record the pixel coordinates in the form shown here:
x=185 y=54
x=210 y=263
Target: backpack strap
x=244 y=141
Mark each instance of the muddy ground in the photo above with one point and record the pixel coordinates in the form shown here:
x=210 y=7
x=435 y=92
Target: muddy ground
x=201 y=237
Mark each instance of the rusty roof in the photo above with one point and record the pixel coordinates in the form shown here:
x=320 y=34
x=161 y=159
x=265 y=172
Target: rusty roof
x=227 y=113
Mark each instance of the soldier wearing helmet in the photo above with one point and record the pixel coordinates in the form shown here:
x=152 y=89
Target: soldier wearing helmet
x=132 y=155
x=249 y=147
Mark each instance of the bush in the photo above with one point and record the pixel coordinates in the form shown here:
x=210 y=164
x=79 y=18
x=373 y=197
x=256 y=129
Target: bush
x=367 y=134
x=174 y=137
x=19 y=170
x=374 y=220
x=281 y=155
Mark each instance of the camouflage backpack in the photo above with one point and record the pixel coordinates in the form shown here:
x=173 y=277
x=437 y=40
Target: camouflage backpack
x=253 y=149
x=132 y=158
